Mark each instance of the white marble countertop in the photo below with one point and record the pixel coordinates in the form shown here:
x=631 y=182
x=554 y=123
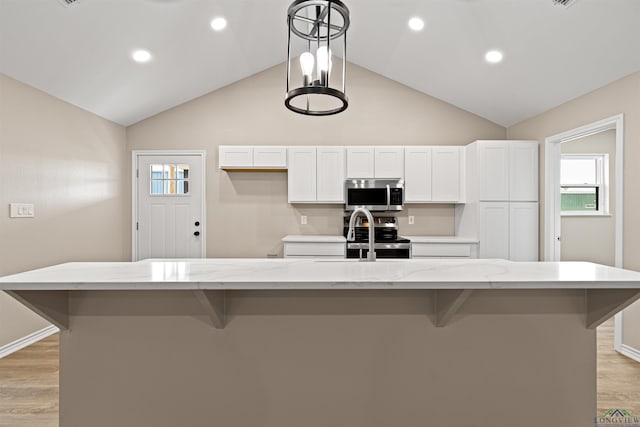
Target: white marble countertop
x=293 y=238
x=322 y=274
x=440 y=239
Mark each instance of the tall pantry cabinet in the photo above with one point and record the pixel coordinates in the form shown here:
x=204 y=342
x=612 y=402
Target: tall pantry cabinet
x=501 y=208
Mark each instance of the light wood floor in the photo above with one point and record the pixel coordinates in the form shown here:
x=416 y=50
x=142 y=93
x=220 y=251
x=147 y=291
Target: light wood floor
x=29 y=382
x=29 y=386
x=618 y=376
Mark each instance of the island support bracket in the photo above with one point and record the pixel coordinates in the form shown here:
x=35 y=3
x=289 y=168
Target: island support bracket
x=447 y=303
x=604 y=303
x=214 y=303
x=52 y=305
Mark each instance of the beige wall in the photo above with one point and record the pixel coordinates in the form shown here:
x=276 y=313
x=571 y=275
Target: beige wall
x=591 y=238
x=73 y=166
x=631 y=326
x=248 y=213
x=618 y=97
x=621 y=96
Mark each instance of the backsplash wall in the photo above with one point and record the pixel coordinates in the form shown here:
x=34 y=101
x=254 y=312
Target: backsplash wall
x=247 y=212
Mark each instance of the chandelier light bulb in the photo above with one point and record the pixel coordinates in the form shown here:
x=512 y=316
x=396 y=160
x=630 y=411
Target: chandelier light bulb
x=324 y=59
x=306 y=63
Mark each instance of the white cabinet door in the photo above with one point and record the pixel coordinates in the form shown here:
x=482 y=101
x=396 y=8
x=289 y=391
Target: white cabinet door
x=523 y=231
x=360 y=161
x=493 y=230
x=417 y=174
x=235 y=156
x=445 y=173
x=523 y=171
x=314 y=249
x=493 y=169
x=443 y=250
x=389 y=162
x=270 y=157
x=330 y=174
x=302 y=174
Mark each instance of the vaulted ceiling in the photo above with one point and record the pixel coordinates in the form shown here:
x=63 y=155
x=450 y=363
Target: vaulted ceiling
x=82 y=53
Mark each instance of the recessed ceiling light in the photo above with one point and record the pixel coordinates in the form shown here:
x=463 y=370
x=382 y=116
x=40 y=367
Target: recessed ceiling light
x=141 y=56
x=219 y=23
x=493 y=56
x=416 y=24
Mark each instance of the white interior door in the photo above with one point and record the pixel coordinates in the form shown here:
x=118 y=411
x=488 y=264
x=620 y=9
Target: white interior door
x=169 y=201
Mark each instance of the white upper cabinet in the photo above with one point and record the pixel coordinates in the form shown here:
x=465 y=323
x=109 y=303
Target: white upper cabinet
x=360 y=162
x=493 y=157
x=270 y=157
x=445 y=174
x=432 y=174
x=375 y=162
x=508 y=170
x=316 y=174
x=417 y=173
x=302 y=174
x=523 y=171
x=331 y=170
x=389 y=162
x=252 y=157
x=235 y=156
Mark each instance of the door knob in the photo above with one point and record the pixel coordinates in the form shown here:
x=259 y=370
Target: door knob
x=197 y=223
x=196 y=233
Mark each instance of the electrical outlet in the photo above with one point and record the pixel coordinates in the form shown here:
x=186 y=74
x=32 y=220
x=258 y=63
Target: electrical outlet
x=412 y=219
x=303 y=219
x=21 y=210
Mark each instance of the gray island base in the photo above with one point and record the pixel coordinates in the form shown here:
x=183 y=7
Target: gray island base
x=281 y=343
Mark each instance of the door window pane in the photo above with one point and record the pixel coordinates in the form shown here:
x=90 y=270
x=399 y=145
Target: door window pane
x=183 y=171
x=156 y=186
x=183 y=187
x=156 y=171
x=169 y=179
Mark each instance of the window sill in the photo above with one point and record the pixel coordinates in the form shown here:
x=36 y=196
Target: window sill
x=589 y=214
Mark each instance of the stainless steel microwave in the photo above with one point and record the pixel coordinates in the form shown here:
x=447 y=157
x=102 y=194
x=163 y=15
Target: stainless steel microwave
x=374 y=194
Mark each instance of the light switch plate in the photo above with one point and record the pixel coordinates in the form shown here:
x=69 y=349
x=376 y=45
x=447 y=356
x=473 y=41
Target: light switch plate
x=303 y=219
x=21 y=210
x=412 y=219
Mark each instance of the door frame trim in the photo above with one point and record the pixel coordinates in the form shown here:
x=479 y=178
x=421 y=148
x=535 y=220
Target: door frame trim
x=552 y=184
x=552 y=196
x=134 y=192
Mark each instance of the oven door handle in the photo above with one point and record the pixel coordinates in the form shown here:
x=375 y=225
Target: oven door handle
x=388 y=197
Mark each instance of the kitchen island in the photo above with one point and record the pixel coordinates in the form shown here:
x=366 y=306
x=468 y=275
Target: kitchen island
x=272 y=342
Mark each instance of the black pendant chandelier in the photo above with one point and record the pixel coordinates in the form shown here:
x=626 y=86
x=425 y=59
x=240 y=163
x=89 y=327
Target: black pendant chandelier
x=317 y=36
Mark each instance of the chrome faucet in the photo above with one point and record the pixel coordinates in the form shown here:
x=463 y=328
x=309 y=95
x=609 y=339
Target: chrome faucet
x=351 y=234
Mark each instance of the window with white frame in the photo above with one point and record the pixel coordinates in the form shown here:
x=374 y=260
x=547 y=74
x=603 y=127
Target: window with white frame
x=584 y=184
x=169 y=179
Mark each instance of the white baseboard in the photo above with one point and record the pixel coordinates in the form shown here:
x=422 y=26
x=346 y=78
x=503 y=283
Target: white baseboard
x=630 y=352
x=23 y=342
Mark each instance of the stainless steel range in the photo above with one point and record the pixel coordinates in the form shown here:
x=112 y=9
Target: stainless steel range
x=387 y=242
